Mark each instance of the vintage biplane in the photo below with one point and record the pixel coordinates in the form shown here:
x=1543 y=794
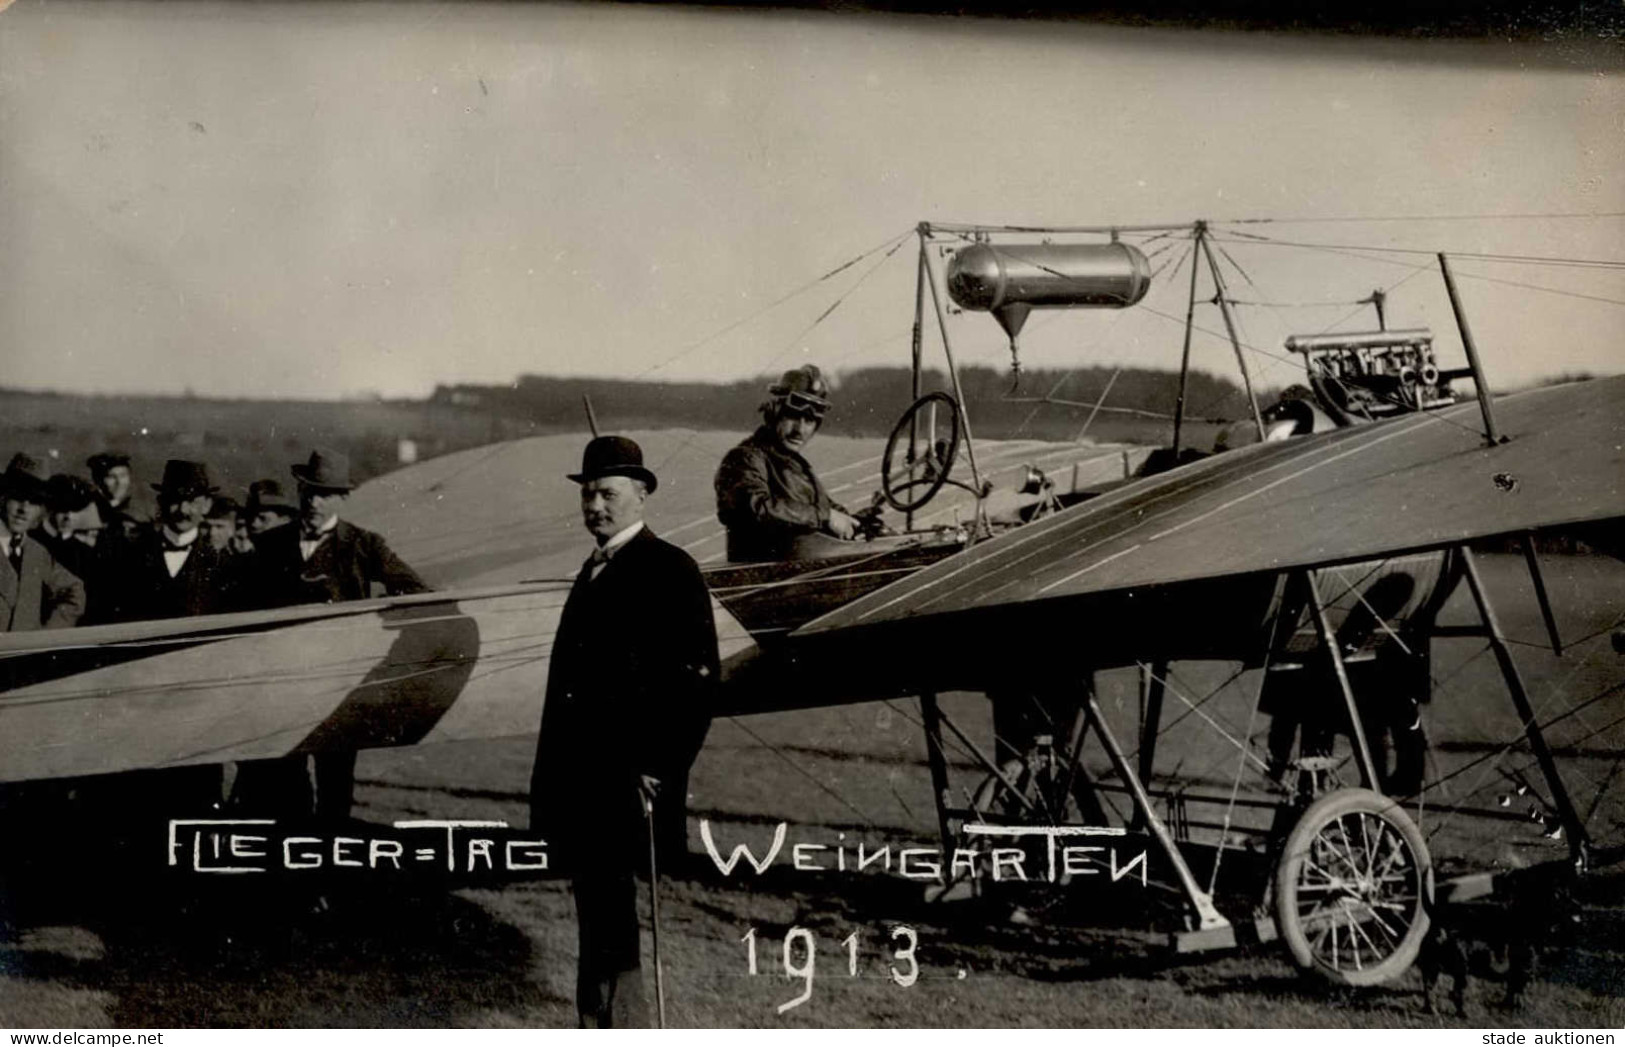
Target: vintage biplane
x=1316 y=557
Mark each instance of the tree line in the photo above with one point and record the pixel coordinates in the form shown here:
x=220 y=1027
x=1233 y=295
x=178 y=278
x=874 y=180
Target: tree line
x=1137 y=404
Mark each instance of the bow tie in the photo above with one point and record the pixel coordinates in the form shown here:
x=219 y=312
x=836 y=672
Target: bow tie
x=311 y=536
x=176 y=547
x=599 y=556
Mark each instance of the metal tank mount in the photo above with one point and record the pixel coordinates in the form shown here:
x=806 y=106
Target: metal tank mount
x=1011 y=280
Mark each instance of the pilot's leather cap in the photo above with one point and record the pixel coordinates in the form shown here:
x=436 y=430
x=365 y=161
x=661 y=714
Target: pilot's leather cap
x=803 y=389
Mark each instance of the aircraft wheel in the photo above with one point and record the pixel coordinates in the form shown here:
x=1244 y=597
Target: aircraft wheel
x=1353 y=888
x=937 y=464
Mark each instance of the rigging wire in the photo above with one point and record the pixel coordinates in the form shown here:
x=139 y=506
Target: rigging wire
x=1483 y=256
x=791 y=345
x=1421 y=218
x=1538 y=287
x=843 y=801
x=891 y=242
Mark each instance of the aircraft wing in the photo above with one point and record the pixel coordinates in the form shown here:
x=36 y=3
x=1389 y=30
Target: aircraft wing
x=1370 y=492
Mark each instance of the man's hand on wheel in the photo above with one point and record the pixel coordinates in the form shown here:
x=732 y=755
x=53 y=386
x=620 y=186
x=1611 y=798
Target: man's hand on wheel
x=842 y=525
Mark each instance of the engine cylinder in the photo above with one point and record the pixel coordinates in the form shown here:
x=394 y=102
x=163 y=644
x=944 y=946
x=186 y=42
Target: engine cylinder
x=989 y=277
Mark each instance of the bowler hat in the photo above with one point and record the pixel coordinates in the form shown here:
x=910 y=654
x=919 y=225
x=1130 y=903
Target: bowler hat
x=614 y=456
x=325 y=470
x=25 y=477
x=101 y=462
x=185 y=479
x=268 y=494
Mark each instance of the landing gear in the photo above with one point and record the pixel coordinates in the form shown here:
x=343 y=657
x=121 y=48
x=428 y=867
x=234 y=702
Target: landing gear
x=1353 y=889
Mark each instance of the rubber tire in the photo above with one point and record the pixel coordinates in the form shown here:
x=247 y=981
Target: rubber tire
x=1319 y=814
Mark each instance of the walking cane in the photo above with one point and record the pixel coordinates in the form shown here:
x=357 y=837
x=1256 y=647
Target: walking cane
x=654 y=909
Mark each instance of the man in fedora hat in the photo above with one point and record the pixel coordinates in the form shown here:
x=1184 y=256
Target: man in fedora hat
x=269 y=507
x=326 y=559
x=171 y=570
x=73 y=533
x=36 y=591
x=767 y=493
x=627 y=707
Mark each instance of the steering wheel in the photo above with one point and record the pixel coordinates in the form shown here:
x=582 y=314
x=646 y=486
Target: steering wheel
x=935 y=464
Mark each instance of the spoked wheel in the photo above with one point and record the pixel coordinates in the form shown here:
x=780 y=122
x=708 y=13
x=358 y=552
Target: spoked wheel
x=927 y=468
x=1353 y=888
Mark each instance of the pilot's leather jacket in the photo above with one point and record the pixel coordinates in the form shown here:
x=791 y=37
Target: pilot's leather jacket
x=767 y=496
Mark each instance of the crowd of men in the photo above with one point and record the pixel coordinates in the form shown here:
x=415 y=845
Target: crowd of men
x=78 y=552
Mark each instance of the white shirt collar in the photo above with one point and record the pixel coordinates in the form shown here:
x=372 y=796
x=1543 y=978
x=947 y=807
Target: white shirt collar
x=181 y=539
x=620 y=538
x=326 y=528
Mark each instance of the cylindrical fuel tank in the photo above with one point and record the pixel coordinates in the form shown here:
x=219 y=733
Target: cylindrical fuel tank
x=987 y=277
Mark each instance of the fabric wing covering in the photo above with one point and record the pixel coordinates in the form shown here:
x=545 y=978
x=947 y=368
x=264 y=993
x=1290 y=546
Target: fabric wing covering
x=1416 y=482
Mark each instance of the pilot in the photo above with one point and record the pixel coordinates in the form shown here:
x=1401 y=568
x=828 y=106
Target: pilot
x=767 y=494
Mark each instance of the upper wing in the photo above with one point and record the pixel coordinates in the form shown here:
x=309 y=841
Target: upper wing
x=1417 y=482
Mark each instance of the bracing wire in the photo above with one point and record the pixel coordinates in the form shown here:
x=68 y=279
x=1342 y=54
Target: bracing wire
x=1483 y=256
x=691 y=347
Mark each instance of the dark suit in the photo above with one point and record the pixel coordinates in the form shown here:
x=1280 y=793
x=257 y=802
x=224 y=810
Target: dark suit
x=344 y=566
x=141 y=587
x=38 y=593
x=628 y=693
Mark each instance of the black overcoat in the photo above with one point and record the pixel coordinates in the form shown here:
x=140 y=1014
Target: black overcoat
x=629 y=692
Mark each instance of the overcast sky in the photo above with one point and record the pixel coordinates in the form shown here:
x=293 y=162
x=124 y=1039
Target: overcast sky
x=327 y=200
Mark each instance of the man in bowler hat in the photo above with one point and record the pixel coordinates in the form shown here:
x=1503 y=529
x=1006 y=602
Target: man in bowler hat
x=36 y=590
x=628 y=704
x=327 y=559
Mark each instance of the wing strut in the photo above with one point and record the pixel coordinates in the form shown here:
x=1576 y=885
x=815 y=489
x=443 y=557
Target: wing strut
x=1579 y=844
x=1491 y=433
x=931 y=717
x=1328 y=639
x=1230 y=328
x=1153 y=686
x=1539 y=581
x=1208 y=917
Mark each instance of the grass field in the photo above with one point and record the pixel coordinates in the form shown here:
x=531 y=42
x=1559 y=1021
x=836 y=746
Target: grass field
x=93 y=948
